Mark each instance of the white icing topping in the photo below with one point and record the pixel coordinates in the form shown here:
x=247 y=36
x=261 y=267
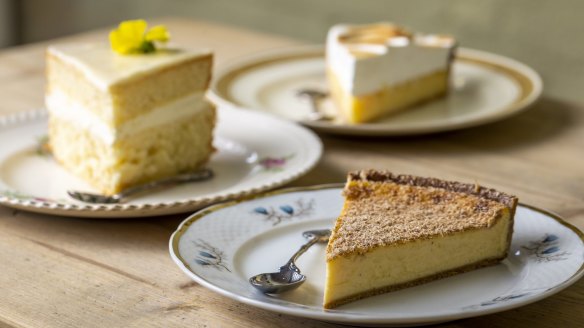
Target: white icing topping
x=397 y=60
x=60 y=105
x=104 y=67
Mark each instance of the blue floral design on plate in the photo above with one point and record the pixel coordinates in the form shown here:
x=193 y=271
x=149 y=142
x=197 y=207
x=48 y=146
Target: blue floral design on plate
x=500 y=299
x=283 y=212
x=547 y=249
x=210 y=256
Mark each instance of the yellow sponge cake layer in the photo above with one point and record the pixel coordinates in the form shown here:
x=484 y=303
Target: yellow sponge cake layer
x=397 y=231
x=388 y=99
x=118 y=88
x=152 y=153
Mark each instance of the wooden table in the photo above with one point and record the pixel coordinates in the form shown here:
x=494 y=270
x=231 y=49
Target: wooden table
x=68 y=272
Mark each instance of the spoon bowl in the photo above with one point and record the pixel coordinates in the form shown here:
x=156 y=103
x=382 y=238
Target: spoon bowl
x=277 y=282
x=289 y=277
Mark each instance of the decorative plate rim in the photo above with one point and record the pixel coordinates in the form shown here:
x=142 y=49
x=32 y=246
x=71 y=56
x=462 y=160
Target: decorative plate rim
x=527 y=78
x=331 y=315
x=149 y=209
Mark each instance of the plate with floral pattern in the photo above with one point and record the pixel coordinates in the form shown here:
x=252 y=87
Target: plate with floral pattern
x=255 y=152
x=222 y=246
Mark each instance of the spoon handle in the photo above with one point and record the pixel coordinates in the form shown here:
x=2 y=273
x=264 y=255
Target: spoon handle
x=187 y=177
x=300 y=251
x=315 y=236
x=315 y=97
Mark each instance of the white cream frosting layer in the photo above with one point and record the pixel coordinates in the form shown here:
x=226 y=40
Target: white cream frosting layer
x=104 y=67
x=397 y=61
x=61 y=106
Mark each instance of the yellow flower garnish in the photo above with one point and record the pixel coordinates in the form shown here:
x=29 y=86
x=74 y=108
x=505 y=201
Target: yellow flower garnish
x=157 y=33
x=133 y=37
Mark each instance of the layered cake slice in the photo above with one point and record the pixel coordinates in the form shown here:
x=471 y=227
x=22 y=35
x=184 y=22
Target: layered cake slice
x=119 y=120
x=378 y=69
x=398 y=231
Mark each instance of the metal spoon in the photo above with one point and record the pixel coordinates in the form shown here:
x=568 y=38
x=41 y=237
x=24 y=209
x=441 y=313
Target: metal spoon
x=117 y=198
x=315 y=97
x=289 y=276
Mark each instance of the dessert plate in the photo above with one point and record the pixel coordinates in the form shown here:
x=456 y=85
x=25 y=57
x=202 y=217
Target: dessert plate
x=255 y=152
x=223 y=245
x=485 y=88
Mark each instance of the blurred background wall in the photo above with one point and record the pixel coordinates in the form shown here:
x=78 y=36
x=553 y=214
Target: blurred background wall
x=9 y=25
x=544 y=34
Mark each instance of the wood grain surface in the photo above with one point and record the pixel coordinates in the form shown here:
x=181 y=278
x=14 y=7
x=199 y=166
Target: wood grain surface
x=68 y=272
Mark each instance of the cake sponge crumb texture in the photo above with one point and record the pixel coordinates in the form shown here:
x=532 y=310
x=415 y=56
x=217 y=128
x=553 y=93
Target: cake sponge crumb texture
x=118 y=121
x=151 y=154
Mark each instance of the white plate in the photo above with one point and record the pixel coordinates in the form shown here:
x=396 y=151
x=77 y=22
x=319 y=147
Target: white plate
x=485 y=88
x=222 y=246
x=255 y=152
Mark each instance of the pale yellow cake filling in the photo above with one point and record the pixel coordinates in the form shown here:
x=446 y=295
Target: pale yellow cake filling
x=388 y=99
x=160 y=151
x=382 y=269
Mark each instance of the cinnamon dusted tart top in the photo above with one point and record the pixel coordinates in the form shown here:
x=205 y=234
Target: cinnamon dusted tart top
x=382 y=208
